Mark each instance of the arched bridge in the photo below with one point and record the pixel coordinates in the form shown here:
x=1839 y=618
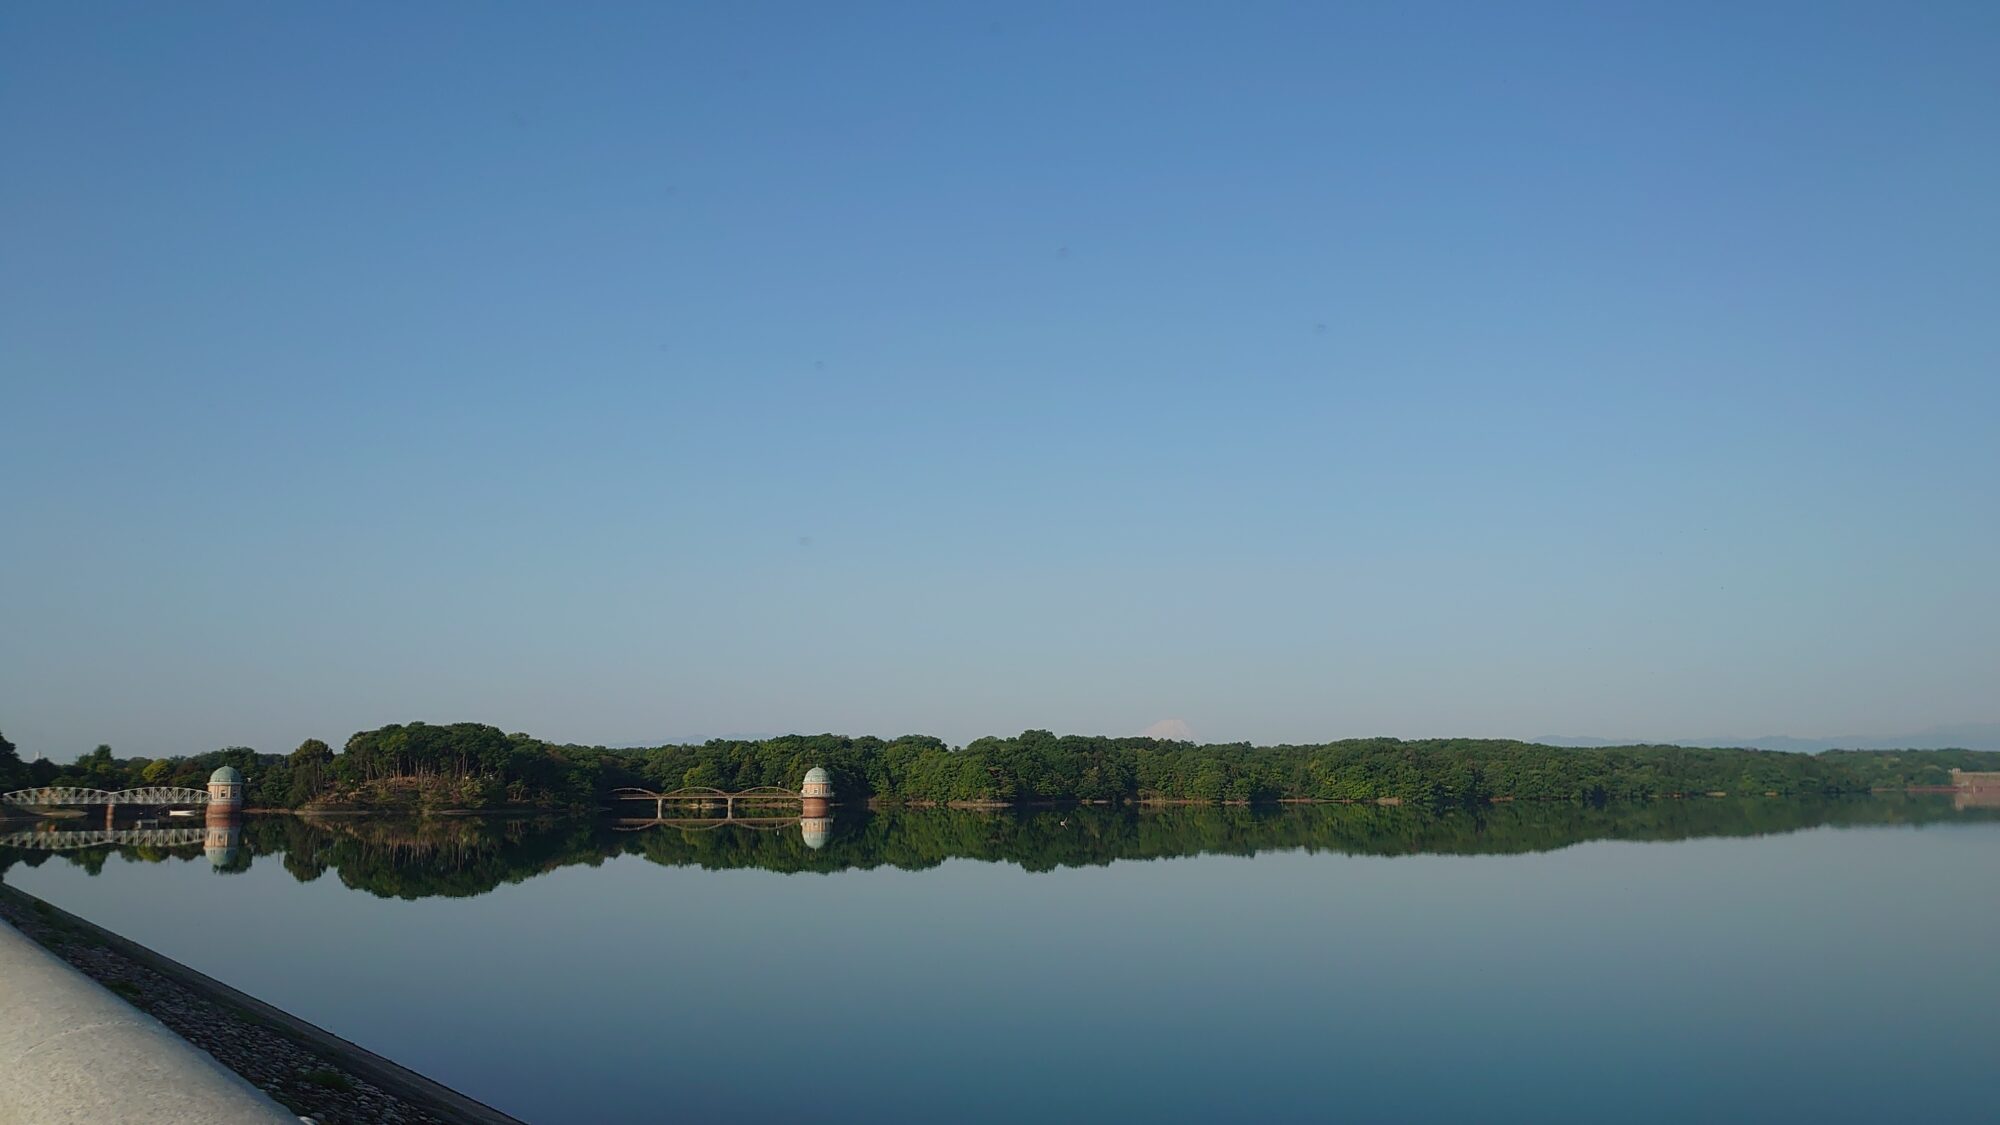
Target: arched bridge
x=707 y=795
x=73 y=795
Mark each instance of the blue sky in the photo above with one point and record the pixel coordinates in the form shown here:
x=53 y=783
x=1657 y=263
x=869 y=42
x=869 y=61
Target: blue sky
x=1301 y=372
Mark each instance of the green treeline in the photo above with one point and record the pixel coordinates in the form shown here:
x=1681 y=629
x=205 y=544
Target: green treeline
x=418 y=766
x=100 y=769
x=413 y=766
x=424 y=857
x=1039 y=766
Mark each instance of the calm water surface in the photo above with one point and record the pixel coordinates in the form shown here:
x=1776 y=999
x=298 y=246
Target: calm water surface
x=1686 y=961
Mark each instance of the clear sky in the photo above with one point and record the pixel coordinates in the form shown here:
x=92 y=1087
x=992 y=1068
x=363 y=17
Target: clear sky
x=625 y=373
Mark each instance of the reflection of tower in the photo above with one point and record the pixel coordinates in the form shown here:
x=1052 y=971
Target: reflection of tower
x=225 y=789
x=816 y=830
x=816 y=822
x=224 y=836
x=819 y=783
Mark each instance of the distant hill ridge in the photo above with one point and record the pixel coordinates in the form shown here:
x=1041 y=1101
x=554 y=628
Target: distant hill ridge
x=1963 y=736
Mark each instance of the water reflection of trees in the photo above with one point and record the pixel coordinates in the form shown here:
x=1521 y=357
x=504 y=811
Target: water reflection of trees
x=464 y=856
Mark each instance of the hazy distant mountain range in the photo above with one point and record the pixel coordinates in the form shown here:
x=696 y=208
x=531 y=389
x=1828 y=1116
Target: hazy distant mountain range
x=1964 y=736
x=697 y=740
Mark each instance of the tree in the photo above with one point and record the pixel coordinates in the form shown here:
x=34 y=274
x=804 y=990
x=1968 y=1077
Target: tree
x=12 y=774
x=98 y=765
x=310 y=772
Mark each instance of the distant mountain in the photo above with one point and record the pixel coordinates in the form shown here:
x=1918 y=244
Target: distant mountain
x=1170 y=730
x=1963 y=736
x=691 y=740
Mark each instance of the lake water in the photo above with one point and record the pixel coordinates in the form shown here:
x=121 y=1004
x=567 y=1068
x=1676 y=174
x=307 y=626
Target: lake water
x=1682 y=961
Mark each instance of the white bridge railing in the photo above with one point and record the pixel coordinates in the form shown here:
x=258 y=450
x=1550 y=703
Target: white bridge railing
x=73 y=795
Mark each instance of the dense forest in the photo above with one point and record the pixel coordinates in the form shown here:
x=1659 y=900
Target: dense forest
x=414 y=766
x=469 y=765
x=424 y=857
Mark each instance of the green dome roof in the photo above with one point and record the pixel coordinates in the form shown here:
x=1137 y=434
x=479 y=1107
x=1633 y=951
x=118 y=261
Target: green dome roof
x=818 y=776
x=227 y=775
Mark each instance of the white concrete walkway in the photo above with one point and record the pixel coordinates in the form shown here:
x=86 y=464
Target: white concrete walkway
x=70 y=1051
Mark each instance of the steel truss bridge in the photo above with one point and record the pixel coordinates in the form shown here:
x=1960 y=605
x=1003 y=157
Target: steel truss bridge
x=51 y=795
x=699 y=795
x=122 y=837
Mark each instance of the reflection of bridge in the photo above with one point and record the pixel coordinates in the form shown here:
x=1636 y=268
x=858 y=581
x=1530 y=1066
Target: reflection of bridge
x=815 y=828
x=703 y=795
x=73 y=795
x=123 y=837
x=706 y=824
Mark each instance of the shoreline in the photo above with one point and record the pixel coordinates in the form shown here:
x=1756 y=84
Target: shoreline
x=517 y=812
x=312 y=1071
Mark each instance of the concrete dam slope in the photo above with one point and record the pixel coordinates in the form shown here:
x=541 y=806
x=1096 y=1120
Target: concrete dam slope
x=70 y=1051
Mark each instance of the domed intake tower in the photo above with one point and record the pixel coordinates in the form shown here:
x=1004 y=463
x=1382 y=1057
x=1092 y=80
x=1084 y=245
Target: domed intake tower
x=819 y=784
x=225 y=788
